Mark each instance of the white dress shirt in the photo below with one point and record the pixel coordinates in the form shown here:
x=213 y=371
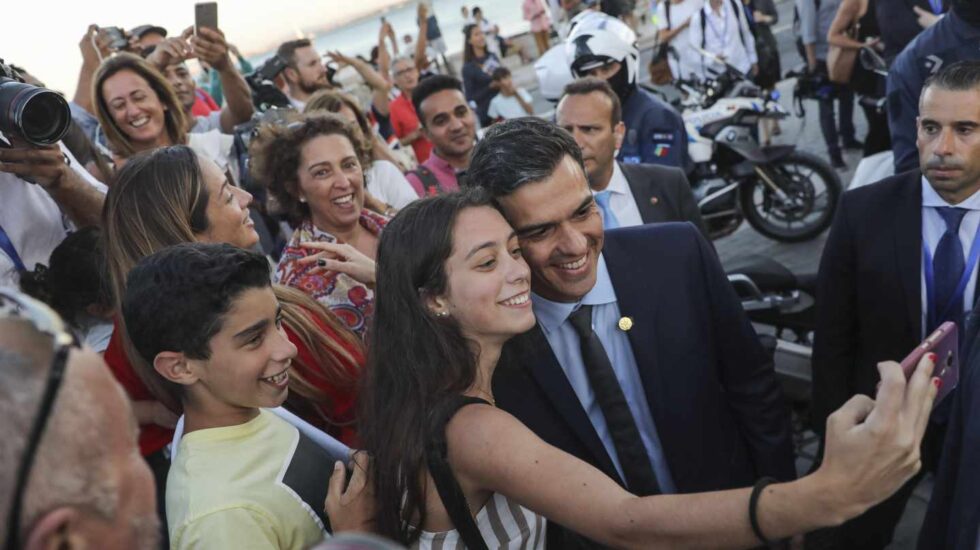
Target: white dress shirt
x=33 y=221
x=621 y=200
x=933 y=228
x=721 y=37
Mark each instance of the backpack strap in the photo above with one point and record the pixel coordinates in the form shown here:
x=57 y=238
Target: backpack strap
x=667 y=10
x=430 y=183
x=450 y=492
x=738 y=25
x=704 y=37
x=739 y=13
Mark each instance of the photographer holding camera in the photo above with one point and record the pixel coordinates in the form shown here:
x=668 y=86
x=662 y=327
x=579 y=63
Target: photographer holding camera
x=46 y=192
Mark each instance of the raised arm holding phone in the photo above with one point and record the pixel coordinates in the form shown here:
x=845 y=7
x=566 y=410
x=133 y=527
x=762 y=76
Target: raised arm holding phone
x=205 y=42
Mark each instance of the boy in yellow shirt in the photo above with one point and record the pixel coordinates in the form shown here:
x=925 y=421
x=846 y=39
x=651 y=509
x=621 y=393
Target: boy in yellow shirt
x=207 y=324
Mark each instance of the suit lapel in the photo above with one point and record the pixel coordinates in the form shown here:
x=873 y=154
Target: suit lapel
x=639 y=187
x=547 y=372
x=908 y=246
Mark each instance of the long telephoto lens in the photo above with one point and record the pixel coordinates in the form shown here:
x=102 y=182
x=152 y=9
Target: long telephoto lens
x=37 y=115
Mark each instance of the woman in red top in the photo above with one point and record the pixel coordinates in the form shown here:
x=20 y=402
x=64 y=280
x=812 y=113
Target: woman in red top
x=169 y=196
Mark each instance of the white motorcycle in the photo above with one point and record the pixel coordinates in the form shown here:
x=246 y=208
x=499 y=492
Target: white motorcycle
x=785 y=194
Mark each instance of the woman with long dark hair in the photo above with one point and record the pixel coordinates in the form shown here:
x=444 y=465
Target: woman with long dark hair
x=450 y=469
x=478 y=66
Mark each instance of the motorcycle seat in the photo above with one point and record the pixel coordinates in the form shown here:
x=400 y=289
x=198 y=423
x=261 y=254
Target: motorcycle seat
x=769 y=275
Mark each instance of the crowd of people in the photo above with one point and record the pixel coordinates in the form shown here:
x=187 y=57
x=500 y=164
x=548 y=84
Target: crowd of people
x=393 y=306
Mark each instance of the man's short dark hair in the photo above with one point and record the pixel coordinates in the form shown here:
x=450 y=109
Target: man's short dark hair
x=500 y=73
x=176 y=298
x=287 y=50
x=518 y=151
x=431 y=85
x=958 y=77
x=589 y=85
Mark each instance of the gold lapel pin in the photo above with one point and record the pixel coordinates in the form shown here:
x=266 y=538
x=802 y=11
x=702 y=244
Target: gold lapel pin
x=625 y=323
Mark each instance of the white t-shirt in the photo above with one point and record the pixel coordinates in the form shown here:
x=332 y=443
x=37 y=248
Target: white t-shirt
x=682 y=65
x=207 y=123
x=216 y=146
x=505 y=107
x=33 y=221
x=386 y=182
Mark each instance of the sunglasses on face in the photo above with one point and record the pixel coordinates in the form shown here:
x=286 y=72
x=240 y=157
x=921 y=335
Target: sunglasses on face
x=17 y=306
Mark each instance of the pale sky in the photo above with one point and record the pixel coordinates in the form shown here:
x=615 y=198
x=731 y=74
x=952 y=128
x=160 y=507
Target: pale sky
x=42 y=35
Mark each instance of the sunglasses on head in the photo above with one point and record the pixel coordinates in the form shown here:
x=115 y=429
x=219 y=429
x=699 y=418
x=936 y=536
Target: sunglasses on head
x=14 y=305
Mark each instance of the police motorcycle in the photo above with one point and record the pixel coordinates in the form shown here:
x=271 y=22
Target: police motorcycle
x=784 y=194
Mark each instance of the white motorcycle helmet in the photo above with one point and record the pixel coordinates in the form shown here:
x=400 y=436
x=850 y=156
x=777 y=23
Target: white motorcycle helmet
x=553 y=73
x=553 y=69
x=596 y=39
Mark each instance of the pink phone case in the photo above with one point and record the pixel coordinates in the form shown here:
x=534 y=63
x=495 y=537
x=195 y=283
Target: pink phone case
x=944 y=342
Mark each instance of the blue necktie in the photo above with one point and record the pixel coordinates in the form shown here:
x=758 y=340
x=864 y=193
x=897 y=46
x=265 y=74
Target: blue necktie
x=948 y=265
x=609 y=220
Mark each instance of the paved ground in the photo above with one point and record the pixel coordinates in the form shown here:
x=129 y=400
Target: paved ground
x=800 y=257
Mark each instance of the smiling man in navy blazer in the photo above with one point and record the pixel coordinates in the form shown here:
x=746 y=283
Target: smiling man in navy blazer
x=643 y=363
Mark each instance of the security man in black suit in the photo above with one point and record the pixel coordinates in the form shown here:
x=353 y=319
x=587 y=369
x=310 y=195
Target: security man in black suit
x=627 y=194
x=901 y=259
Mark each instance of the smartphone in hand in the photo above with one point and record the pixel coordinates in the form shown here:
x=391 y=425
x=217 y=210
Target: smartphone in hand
x=118 y=38
x=205 y=15
x=944 y=342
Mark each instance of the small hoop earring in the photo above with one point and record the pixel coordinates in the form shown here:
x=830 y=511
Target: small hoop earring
x=442 y=314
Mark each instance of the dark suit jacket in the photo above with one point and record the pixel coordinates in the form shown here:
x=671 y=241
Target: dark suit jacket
x=662 y=194
x=869 y=309
x=954 y=509
x=869 y=304
x=711 y=388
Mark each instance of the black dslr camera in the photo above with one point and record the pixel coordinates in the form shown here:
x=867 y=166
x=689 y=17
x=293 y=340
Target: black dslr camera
x=265 y=94
x=36 y=115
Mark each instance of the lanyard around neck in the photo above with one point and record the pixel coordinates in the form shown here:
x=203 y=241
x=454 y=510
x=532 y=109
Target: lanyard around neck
x=7 y=246
x=723 y=35
x=932 y=308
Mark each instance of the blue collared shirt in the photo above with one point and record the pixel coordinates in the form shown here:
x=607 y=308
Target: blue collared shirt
x=553 y=318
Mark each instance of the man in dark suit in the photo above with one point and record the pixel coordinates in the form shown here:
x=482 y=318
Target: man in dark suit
x=627 y=194
x=642 y=363
x=954 y=510
x=899 y=261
